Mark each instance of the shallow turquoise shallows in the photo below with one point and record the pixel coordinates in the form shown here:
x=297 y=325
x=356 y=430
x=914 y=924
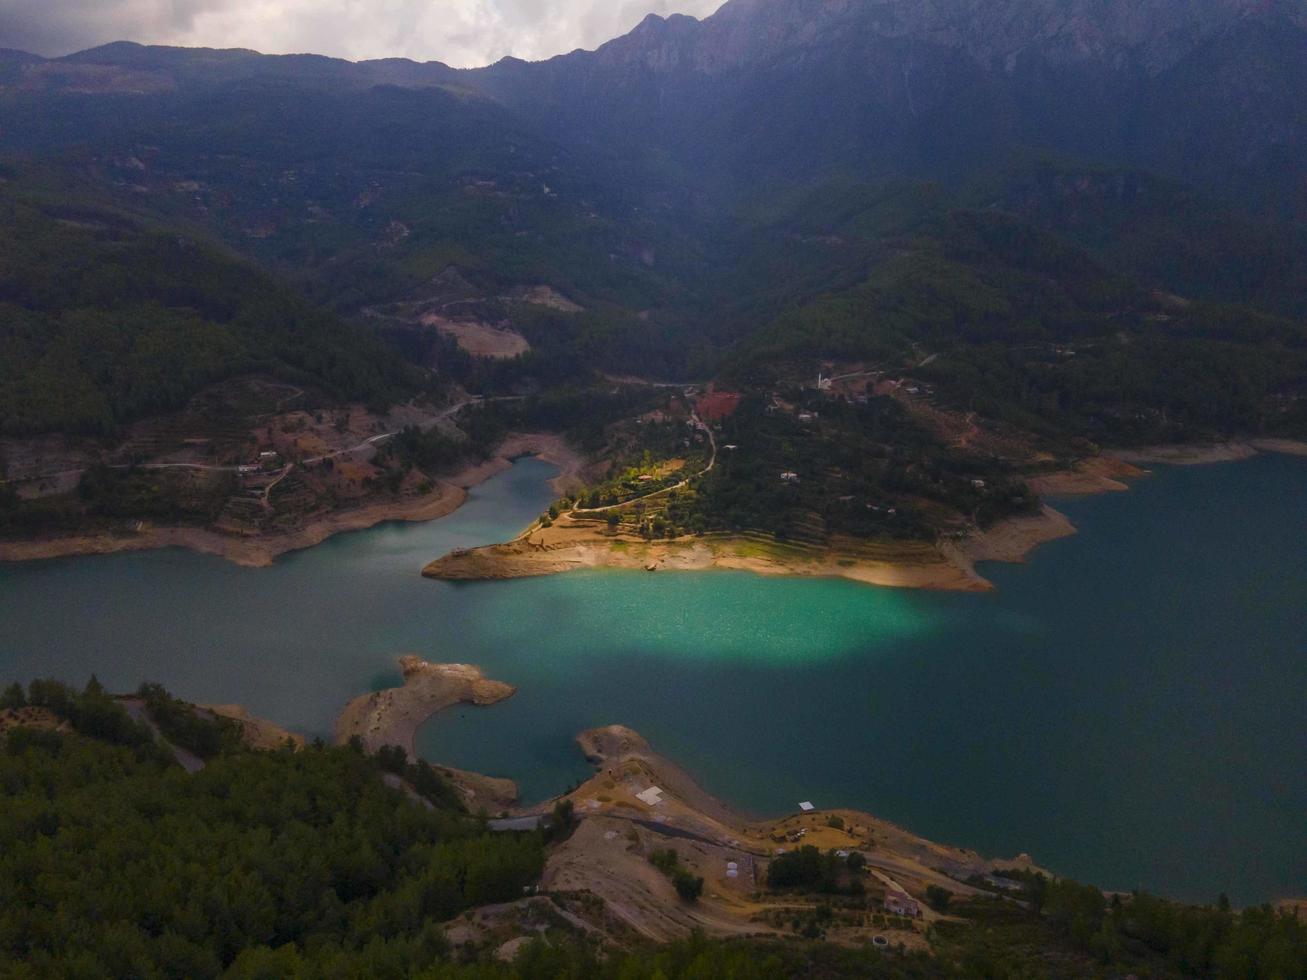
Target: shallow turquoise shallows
x=1130 y=708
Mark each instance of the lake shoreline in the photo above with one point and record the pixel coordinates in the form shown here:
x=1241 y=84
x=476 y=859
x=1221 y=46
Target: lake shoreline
x=392 y=717
x=260 y=551
x=625 y=768
x=574 y=544
x=867 y=693
x=951 y=569
x=947 y=566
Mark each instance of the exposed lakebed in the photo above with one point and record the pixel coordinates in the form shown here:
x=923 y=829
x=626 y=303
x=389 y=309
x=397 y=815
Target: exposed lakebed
x=1130 y=708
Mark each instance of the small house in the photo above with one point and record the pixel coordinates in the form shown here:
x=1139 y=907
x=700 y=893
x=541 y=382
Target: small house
x=901 y=903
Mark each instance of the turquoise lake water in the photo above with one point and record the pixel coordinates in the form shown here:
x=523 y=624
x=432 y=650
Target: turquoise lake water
x=1130 y=708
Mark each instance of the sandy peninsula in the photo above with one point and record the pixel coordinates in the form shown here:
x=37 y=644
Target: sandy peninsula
x=1099 y=474
x=577 y=541
x=639 y=801
x=393 y=717
x=573 y=543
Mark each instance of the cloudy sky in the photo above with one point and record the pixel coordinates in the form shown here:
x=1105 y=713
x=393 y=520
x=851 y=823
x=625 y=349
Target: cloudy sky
x=459 y=32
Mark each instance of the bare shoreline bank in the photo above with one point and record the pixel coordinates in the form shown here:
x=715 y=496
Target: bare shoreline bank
x=394 y=715
x=260 y=551
x=913 y=565
x=1203 y=455
x=571 y=545
x=636 y=789
x=637 y=801
x=952 y=570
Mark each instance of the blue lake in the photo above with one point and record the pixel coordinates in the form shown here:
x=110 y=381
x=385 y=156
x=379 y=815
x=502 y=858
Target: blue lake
x=1130 y=708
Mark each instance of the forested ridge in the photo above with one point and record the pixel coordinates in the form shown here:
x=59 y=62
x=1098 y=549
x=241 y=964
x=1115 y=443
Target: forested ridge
x=116 y=862
x=105 y=319
x=1026 y=327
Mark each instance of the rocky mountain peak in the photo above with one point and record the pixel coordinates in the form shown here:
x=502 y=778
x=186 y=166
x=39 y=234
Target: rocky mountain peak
x=995 y=33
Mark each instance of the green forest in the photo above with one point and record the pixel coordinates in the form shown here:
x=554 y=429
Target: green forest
x=1024 y=327
x=116 y=862
x=105 y=320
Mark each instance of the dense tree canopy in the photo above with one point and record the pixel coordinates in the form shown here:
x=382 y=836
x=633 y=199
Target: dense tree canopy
x=104 y=321
x=116 y=862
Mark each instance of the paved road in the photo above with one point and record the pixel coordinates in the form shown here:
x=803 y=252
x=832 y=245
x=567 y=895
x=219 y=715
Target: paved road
x=712 y=461
x=532 y=822
x=367 y=445
x=187 y=760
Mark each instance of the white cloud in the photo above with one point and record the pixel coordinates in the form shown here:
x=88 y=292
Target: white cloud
x=459 y=32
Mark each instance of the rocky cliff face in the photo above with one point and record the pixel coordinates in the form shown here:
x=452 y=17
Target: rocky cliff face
x=1155 y=34
x=784 y=92
x=1214 y=90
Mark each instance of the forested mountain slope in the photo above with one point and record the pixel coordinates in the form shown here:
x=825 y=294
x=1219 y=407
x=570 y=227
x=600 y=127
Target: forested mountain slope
x=107 y=320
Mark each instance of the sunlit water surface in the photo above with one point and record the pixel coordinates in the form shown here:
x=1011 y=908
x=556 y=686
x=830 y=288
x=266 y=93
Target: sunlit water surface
x=1130 y=708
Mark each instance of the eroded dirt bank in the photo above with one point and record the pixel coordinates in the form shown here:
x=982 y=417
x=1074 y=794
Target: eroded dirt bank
x=576 y=542
x=639 y=802
x=394 y=715
x=261 y=550
x=571 y=545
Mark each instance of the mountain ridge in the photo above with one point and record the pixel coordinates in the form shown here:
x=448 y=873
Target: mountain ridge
x=744 y=31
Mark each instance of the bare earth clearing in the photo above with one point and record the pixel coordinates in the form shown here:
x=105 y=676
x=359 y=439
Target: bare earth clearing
x=551 y=298
x=480 y=339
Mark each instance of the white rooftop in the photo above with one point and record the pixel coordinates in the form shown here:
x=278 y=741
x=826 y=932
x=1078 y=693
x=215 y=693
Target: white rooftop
x=806 y=807
x=651 y=797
